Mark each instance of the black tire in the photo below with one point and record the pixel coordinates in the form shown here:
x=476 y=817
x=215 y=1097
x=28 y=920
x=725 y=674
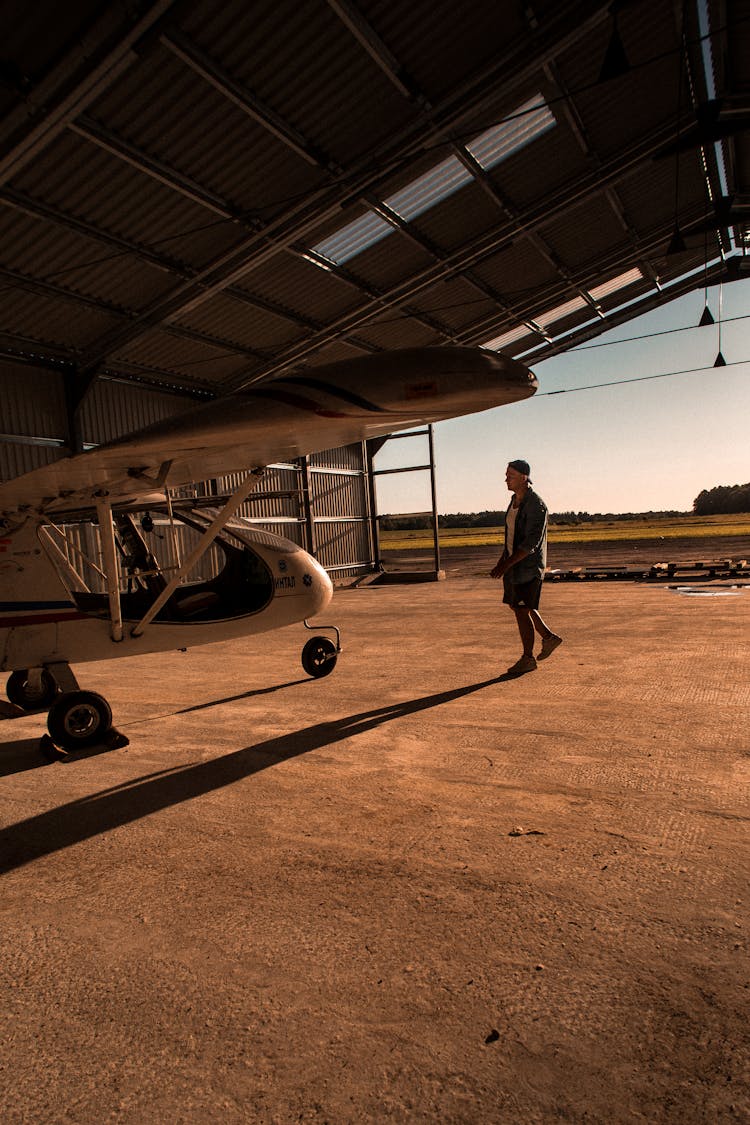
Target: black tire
x=79 y=718
x=319 y=657
x=20 y=692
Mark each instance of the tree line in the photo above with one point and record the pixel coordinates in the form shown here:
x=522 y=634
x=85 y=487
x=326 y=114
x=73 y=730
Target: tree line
x=496 y=518
x=722 y=499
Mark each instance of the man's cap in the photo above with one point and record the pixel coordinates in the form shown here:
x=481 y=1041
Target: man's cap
x=520 y=467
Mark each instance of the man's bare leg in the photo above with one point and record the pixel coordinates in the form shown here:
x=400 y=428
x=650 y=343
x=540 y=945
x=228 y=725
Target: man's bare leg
x=550 y=640
x=542 y=629
x=525 y=628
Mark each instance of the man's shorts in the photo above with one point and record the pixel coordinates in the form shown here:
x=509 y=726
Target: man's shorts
x=518 y=594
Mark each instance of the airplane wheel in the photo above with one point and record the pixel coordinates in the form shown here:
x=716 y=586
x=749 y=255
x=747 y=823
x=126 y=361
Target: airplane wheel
x=319 y=657
x=78 y=719
x=20 y=691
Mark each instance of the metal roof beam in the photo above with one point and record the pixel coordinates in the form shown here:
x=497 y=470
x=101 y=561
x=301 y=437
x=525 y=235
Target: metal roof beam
x=368 y=38
x=615 y=319
x=578 y=129
x=565 y=198
x=35 y=209
x=104 y=138
x=38 y=210
x=425 y=244
x=73 y=85
x=42 y=288
x=361 y=287
x=615 y=261
x=567 y=24
x=245 y=100
x=47 y=289
x=536 y=240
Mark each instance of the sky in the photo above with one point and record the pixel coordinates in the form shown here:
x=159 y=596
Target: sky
x=651 y=445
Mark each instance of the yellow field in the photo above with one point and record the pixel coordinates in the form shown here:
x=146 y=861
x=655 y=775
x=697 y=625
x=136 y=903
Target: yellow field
x=694 y=527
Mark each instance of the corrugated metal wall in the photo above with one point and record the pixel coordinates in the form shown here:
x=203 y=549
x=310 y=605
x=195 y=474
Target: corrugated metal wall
x=33 y=418
x=321 y=503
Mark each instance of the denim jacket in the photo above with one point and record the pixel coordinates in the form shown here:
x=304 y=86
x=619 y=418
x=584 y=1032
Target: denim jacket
x=531 y=534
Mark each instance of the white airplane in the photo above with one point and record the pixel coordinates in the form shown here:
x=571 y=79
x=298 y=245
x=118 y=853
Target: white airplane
x=50 y=616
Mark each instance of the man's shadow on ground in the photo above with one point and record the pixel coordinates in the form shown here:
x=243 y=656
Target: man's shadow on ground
x=83 y=819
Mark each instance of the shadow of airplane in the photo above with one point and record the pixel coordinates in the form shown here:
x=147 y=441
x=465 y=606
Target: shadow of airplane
x=21 y=755
x=51 y=831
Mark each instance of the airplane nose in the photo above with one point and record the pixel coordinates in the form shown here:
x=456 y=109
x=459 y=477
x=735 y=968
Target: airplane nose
x=318 y=585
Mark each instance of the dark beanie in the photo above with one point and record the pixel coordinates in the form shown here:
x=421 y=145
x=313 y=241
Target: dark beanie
x=521 y=467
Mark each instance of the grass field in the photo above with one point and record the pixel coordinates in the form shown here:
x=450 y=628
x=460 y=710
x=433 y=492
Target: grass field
x=678 y=527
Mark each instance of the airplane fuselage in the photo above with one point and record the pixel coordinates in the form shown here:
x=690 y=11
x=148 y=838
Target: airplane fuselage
x=43 y=622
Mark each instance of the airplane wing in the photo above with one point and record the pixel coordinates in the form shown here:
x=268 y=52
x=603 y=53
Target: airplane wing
x=305 y=412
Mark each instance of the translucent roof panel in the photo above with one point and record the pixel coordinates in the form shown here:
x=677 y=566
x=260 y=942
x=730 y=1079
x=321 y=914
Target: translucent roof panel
x=560 y=311
x=528 y=122
x=353 y=238
x=507 y=338
x=429 y=189
x=615 y=284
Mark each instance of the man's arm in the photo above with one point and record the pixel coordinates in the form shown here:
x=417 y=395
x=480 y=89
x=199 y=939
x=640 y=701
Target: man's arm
x=506 y=561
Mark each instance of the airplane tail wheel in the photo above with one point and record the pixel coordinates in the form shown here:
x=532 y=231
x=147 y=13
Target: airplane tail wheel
x=20 y=691
x=319 y=657
x=79 y=718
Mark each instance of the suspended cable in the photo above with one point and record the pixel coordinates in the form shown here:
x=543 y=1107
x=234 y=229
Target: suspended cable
x=640 y=379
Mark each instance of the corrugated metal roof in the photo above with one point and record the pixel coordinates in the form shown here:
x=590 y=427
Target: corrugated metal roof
x=291 y=281
x=234 y=322
x=234 y=138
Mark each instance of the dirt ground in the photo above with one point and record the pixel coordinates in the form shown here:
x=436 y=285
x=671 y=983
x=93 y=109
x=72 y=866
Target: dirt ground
x=413 y=891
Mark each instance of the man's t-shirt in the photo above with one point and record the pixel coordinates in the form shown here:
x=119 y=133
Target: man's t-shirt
x=510 y=525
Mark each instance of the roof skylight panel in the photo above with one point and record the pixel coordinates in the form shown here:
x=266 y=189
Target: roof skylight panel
x=616 y=283
x=528 y=122
x=353 y=238
x=429 y=189
x=509 y=337
x=560 y=311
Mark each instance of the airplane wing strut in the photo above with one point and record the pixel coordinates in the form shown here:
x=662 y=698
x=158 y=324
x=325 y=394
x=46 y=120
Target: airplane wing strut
x=230 y=508
x=109 y=557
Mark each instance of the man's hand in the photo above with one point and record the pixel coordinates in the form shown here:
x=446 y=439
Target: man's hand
x=498 y=569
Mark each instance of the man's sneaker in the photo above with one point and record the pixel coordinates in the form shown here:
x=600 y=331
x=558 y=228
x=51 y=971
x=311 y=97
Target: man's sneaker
x=549 y=644
x=525 y=664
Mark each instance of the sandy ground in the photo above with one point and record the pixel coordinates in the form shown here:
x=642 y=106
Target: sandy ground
x=413 y=891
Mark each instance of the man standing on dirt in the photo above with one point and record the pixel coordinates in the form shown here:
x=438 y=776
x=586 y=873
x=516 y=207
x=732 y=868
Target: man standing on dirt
x=522 y=563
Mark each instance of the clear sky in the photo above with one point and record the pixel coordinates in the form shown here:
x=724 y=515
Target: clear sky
x=639 y=446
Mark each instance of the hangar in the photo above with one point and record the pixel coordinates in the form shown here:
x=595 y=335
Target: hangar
x=411 y=892
x=196 y=198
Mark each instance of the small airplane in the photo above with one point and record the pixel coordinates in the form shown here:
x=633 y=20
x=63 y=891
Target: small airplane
x=51 y=617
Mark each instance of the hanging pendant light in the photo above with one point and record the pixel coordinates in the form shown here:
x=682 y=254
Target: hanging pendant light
x=720 y=361
x=615 y=62
x=676 y=243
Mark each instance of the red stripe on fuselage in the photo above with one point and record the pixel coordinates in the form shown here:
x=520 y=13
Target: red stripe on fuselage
x=300 y=401
x=40 y=618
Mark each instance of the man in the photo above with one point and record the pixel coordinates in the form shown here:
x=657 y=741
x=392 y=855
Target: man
x=522 y=563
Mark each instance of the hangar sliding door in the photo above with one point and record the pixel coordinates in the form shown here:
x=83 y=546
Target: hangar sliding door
x=321 y=502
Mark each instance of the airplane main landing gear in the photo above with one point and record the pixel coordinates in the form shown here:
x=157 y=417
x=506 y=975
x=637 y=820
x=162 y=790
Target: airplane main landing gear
x=79 y=718
x=32 y=689
x=320 y=654
x=76 y=719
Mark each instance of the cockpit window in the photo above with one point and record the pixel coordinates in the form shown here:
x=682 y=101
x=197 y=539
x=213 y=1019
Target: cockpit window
x=240 y=582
